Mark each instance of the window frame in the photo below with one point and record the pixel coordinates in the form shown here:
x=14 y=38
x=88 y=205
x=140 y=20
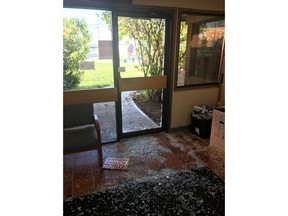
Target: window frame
x=180 y=12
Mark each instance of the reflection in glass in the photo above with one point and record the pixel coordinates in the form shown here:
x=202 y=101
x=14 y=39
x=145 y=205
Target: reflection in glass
x=200 y=49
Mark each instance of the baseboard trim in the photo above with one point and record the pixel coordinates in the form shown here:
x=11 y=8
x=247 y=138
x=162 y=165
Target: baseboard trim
x=179 y=129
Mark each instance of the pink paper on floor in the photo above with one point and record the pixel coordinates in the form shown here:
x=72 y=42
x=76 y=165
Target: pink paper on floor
x=116 y=163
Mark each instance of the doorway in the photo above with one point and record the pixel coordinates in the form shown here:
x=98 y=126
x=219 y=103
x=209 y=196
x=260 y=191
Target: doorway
x=124 y=75
x=141 y=70
x=141 y=58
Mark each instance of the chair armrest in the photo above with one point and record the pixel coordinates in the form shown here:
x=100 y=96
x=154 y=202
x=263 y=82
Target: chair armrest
x=96 y=122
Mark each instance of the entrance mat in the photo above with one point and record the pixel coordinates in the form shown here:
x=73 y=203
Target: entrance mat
x=188 y=192
x=116 y=163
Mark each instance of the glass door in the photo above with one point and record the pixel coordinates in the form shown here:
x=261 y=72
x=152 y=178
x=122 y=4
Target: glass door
x=118 y=61
x=142 y=81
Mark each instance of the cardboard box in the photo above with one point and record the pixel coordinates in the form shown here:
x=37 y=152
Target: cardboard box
x=217 y=137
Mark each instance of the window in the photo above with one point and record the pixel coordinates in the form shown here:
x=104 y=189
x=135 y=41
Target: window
x=201 y=44
x=87 y=49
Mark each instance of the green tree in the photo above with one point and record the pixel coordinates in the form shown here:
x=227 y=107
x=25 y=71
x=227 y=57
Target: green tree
x=76 y=38
x=149 y=35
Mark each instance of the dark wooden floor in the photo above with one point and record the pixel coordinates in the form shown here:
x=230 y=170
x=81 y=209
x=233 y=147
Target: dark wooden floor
x=150 y=155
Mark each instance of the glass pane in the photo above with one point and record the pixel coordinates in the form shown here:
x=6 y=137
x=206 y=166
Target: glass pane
x=141 y=46
x=200 y=49
x=87 y=49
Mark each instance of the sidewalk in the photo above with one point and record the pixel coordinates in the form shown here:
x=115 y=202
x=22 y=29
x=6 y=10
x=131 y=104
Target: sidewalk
x=133 y=119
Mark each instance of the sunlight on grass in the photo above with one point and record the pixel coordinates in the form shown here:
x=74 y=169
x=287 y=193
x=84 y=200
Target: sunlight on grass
x=131 y=71
x=102 y=76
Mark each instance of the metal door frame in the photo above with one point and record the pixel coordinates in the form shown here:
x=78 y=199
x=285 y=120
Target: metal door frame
x=116 y=62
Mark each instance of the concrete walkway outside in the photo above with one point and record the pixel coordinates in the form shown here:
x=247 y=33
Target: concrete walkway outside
x=133 y=119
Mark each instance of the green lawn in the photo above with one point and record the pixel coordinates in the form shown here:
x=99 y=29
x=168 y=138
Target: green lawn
x=102 y=76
